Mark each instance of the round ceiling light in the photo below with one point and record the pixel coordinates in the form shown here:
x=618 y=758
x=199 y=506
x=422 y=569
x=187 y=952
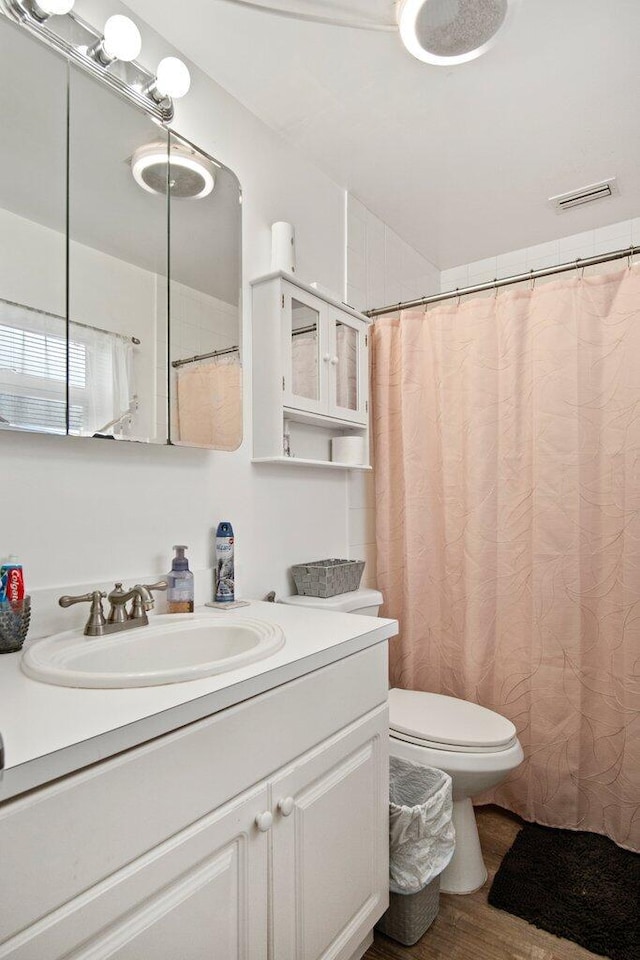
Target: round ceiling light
x=447 y=32
x=187 y=175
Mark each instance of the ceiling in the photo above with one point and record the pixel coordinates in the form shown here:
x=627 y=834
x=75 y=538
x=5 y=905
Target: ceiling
x=460 y=161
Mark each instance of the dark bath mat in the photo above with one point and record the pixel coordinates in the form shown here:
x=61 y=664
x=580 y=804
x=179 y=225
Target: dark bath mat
x=580 y=886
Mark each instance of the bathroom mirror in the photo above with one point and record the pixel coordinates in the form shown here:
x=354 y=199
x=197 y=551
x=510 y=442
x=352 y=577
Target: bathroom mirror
x=120 y=271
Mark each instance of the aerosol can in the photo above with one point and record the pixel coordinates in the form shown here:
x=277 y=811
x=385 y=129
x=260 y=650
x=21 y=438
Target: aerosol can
x=225 y=586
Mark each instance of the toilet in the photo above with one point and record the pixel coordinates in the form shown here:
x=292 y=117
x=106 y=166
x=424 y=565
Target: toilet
x=475 y=746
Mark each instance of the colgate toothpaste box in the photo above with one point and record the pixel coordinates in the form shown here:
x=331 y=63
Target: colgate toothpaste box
x=11 y=583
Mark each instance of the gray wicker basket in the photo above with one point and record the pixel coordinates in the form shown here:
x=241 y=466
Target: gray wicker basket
x=327 y=578
x=410 y=915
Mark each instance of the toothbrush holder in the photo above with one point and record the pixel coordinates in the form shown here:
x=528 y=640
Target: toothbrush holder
x=14 y=624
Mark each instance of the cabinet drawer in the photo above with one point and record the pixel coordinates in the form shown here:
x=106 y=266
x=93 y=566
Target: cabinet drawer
x=62 y=839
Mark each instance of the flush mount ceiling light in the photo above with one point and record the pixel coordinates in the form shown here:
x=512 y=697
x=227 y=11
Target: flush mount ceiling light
x=448 y=32
x=186 y=174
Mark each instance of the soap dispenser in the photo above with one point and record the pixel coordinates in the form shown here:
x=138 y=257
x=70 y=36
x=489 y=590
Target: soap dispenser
x=180 y=583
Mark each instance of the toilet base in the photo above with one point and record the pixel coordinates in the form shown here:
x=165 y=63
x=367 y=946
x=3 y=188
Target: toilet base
x=466 y=871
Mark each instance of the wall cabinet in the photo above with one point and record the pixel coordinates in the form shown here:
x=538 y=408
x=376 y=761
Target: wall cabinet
x=311 y=372
x=136 y=858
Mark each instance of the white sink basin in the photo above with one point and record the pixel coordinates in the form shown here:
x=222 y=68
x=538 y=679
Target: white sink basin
x=172 y=648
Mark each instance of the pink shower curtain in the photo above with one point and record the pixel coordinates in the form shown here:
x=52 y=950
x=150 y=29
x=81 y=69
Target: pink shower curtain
x=507 y=459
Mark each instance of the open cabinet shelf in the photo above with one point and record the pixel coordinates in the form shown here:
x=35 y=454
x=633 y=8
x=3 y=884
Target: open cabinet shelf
x=303 y=462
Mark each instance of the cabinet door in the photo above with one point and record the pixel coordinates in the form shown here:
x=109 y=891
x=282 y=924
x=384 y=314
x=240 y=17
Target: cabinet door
x=201 y=895
x=348 y=367
x=330 y=844
x=305 y=350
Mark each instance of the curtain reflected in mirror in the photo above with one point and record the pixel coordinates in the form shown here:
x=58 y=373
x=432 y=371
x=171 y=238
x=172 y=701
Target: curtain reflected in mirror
x=305 y=349
x=205 y=372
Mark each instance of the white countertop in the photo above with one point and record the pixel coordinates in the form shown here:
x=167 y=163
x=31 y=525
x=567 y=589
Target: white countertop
x=49 y=731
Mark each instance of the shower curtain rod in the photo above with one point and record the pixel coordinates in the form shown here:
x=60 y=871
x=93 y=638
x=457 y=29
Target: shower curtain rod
x=204 y=356
x=578 y=264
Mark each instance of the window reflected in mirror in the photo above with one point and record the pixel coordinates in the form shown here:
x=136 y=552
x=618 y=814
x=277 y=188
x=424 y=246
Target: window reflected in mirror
x=33 y=158
x=117 y=270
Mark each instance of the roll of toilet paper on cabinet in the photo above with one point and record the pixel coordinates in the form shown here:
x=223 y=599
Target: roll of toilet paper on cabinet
x=283 y=247
x=347 y=450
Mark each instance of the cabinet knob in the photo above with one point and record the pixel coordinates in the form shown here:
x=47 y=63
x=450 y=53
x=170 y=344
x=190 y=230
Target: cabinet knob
x=334 y=361
x=286 y=805
x=326 y=357
x=264 y=821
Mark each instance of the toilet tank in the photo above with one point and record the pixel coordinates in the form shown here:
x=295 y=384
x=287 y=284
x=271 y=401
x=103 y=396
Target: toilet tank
x=365 y=601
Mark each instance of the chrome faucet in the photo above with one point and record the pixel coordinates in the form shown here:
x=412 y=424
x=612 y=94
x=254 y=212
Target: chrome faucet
x=119 y=618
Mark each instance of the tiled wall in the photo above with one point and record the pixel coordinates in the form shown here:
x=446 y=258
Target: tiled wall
x=578 y=245
x=381 y=269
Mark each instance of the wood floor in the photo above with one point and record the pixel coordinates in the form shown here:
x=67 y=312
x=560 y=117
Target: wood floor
x=467 y=928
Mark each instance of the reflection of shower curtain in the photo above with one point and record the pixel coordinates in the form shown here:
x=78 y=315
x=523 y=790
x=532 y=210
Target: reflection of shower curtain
x=507 y=458
x=304 y=365
x=347 y=372
x=209 y=407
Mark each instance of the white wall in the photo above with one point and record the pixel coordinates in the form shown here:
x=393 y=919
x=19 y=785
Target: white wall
x=381 y=269
x=87 y=512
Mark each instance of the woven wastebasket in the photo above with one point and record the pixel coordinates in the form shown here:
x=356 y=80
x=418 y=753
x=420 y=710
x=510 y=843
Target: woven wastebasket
x=410 y=915
x=421 y=844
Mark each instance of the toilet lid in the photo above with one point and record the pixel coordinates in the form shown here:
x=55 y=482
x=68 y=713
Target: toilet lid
x=447 y=722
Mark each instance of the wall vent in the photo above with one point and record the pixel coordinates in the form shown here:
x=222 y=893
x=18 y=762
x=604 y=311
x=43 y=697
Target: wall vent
x=577 y=198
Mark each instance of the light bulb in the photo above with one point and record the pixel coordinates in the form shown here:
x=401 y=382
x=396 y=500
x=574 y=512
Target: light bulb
x=122 y=40
x=172 y=78
x=50 y=8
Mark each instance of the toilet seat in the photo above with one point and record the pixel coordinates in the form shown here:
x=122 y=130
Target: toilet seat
x=446 y=723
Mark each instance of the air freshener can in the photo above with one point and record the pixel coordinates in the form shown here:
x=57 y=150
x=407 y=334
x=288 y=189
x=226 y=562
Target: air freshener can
x=225 y=586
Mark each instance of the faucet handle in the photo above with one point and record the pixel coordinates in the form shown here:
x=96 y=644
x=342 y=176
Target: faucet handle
x=94 y=626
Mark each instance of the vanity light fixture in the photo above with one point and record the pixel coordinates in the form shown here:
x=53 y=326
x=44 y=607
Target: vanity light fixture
x=43 y=9
x=121 y=41
x=172 y=81
x=55 y=23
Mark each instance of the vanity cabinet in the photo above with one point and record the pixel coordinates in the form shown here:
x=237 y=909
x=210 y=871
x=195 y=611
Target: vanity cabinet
x=257 y=834
x=311 y=371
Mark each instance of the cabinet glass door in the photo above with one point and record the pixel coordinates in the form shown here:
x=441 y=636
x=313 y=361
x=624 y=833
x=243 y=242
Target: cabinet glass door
x=303 y=337
x=348 y=368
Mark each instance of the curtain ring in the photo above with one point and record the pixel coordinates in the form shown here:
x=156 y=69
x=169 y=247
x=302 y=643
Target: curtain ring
x=630 y=258
x=495 y=288
x=426 y=305
x=458 y=292
x=532 y=280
